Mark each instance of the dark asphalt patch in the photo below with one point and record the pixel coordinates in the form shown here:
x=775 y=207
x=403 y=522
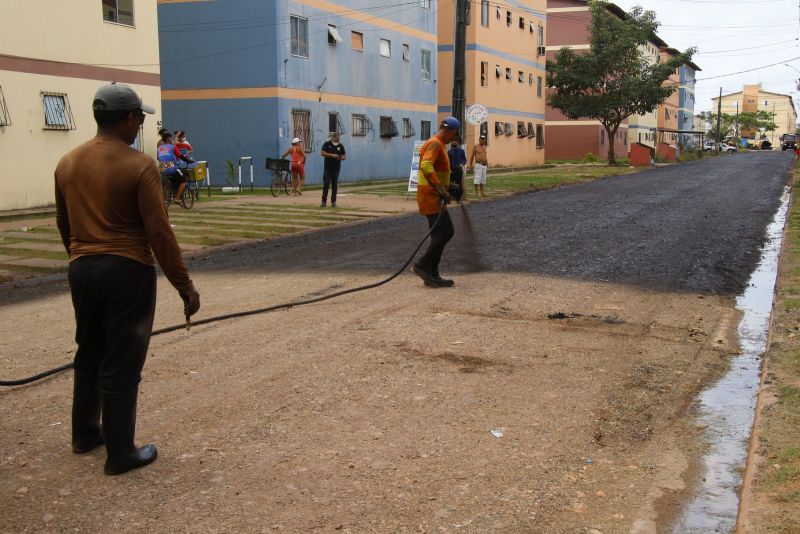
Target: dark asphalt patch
x=691 y=227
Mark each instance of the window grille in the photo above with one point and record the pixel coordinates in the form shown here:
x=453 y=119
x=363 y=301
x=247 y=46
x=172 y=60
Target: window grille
x=508 y=73
x=521 y=131
x=425 y=130
x=485 y=131
x=530 y=130
x=301 y=127
x=509 y=128
x=361 y=125
x=539 y=136
x=426 y=64
x=521 y=77
x=408 y=128
x=388 y=127
x=299 y=35
x=335 y=123
x=530 y=79
x=498 y=72
x=539 y=86
x=521 y=23
x=499 y=128
x=5 y=118
x=485 y=13
x=57 y=113
x=508 y=18
x=425 y=3
x=484 y=74
x=406 y=52
x=118 y=11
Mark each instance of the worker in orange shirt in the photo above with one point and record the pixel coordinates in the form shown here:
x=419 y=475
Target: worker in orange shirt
x=432 y=196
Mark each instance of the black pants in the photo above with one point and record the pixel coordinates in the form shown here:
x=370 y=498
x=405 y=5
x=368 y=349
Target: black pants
x=330 y=179
x=441 y=234
x=115 y=301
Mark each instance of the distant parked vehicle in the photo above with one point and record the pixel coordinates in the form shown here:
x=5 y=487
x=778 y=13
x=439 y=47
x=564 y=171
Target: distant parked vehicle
x=730 y=149
x=788 y=142
x=765 y=145
x=708 y=146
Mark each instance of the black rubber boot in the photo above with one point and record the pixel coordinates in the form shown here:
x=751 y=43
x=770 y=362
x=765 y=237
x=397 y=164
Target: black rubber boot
x=119 y=427
x=86 y=435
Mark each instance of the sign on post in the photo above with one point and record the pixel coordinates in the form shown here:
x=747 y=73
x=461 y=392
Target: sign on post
x=413 y=177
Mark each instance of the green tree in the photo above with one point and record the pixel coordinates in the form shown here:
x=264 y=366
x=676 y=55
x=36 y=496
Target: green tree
x=614 y=79
x=732 y=125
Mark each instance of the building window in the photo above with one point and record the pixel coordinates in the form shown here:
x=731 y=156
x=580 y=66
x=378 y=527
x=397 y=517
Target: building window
x=498 y=72
x=425 y=130
x=485 y=131
x=5 y=118
x=385 y=48
x=521 y=23
x=301 y=127
x=426 y=64
x=118 y=11
x=530 y=80
x=485 y=13
x=361 y=125
x=508 y=73
x=406 y=52
x=521 y=131
x=531 y=133
x=540 y=36
x=299 y=36
x=333 y=35
x=357 y=40
x=539 y=136
x=521 y=77
x=539 y=86
x=531 y=26
x=388 y=127
x=499 y=128
x=484 y=74
x=408 y=128
x=509 y=129
x=57 y=113
x=425 y=3
x=335 y=123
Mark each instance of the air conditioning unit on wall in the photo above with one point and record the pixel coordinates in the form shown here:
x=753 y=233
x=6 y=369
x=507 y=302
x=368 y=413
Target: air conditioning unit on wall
x=541 y=51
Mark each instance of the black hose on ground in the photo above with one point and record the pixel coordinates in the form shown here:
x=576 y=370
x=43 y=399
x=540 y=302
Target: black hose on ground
x=34 y=378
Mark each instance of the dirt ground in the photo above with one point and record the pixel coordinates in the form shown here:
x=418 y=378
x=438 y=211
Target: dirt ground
x=341 y=416
x=517 y=401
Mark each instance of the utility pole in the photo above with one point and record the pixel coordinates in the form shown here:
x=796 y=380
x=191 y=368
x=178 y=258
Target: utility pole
x=460 y=63
x=719 y=116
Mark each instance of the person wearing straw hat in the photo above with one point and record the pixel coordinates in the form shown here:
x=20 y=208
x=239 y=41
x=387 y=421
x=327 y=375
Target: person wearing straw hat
x=298 y=156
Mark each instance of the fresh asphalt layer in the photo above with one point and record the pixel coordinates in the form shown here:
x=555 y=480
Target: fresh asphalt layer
x=691 y=227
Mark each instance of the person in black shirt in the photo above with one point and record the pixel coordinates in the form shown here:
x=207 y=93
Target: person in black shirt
x=334 y=153
x=458 y=159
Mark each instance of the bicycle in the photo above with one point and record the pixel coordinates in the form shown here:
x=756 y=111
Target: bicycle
x=281 y=176
x=191 y=193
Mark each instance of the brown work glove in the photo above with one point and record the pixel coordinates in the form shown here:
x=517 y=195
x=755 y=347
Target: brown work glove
x=191 y=300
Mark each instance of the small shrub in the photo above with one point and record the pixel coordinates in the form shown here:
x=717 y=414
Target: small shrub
x=590 y=158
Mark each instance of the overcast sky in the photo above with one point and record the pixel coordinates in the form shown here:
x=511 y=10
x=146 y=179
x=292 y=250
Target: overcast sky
x=733 y=36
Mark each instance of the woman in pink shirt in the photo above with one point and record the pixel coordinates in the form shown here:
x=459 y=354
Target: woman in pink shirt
x=298 y=165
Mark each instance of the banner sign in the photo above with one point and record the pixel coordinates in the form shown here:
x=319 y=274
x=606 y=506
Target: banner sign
x=413 y=177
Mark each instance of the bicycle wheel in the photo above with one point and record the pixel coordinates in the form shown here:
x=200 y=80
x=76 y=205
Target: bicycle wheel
x=189 y=195
x=275 y=184
x=285 y=180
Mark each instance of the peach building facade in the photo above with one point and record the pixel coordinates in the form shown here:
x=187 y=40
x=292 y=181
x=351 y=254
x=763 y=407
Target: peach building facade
x=505 y=72
x=53 y=58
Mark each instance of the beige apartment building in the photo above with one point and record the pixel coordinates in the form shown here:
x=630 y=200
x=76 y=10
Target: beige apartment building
x=753 y=98
x=53 y=57
x=643 y=129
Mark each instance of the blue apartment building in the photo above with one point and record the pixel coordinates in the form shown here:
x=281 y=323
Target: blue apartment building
x=686 y=101
x=244 y=77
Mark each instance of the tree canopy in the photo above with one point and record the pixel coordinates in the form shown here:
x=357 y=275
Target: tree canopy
x=733 y=125
x=614 y=79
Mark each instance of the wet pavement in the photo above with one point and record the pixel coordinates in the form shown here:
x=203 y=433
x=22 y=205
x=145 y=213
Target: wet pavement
x=690 y=227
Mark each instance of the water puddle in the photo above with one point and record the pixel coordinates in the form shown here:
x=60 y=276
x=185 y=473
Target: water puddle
x=728 y=407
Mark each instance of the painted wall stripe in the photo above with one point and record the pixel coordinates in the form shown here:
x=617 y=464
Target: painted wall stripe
x=248 y=93
x=472 y=47
x=77 y=70
x=499 y=111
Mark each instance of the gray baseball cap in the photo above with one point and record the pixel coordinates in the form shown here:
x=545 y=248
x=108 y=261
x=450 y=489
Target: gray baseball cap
x=119 y=97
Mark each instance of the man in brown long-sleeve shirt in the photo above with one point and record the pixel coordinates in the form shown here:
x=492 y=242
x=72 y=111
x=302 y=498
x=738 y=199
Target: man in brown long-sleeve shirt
x=112 y=221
